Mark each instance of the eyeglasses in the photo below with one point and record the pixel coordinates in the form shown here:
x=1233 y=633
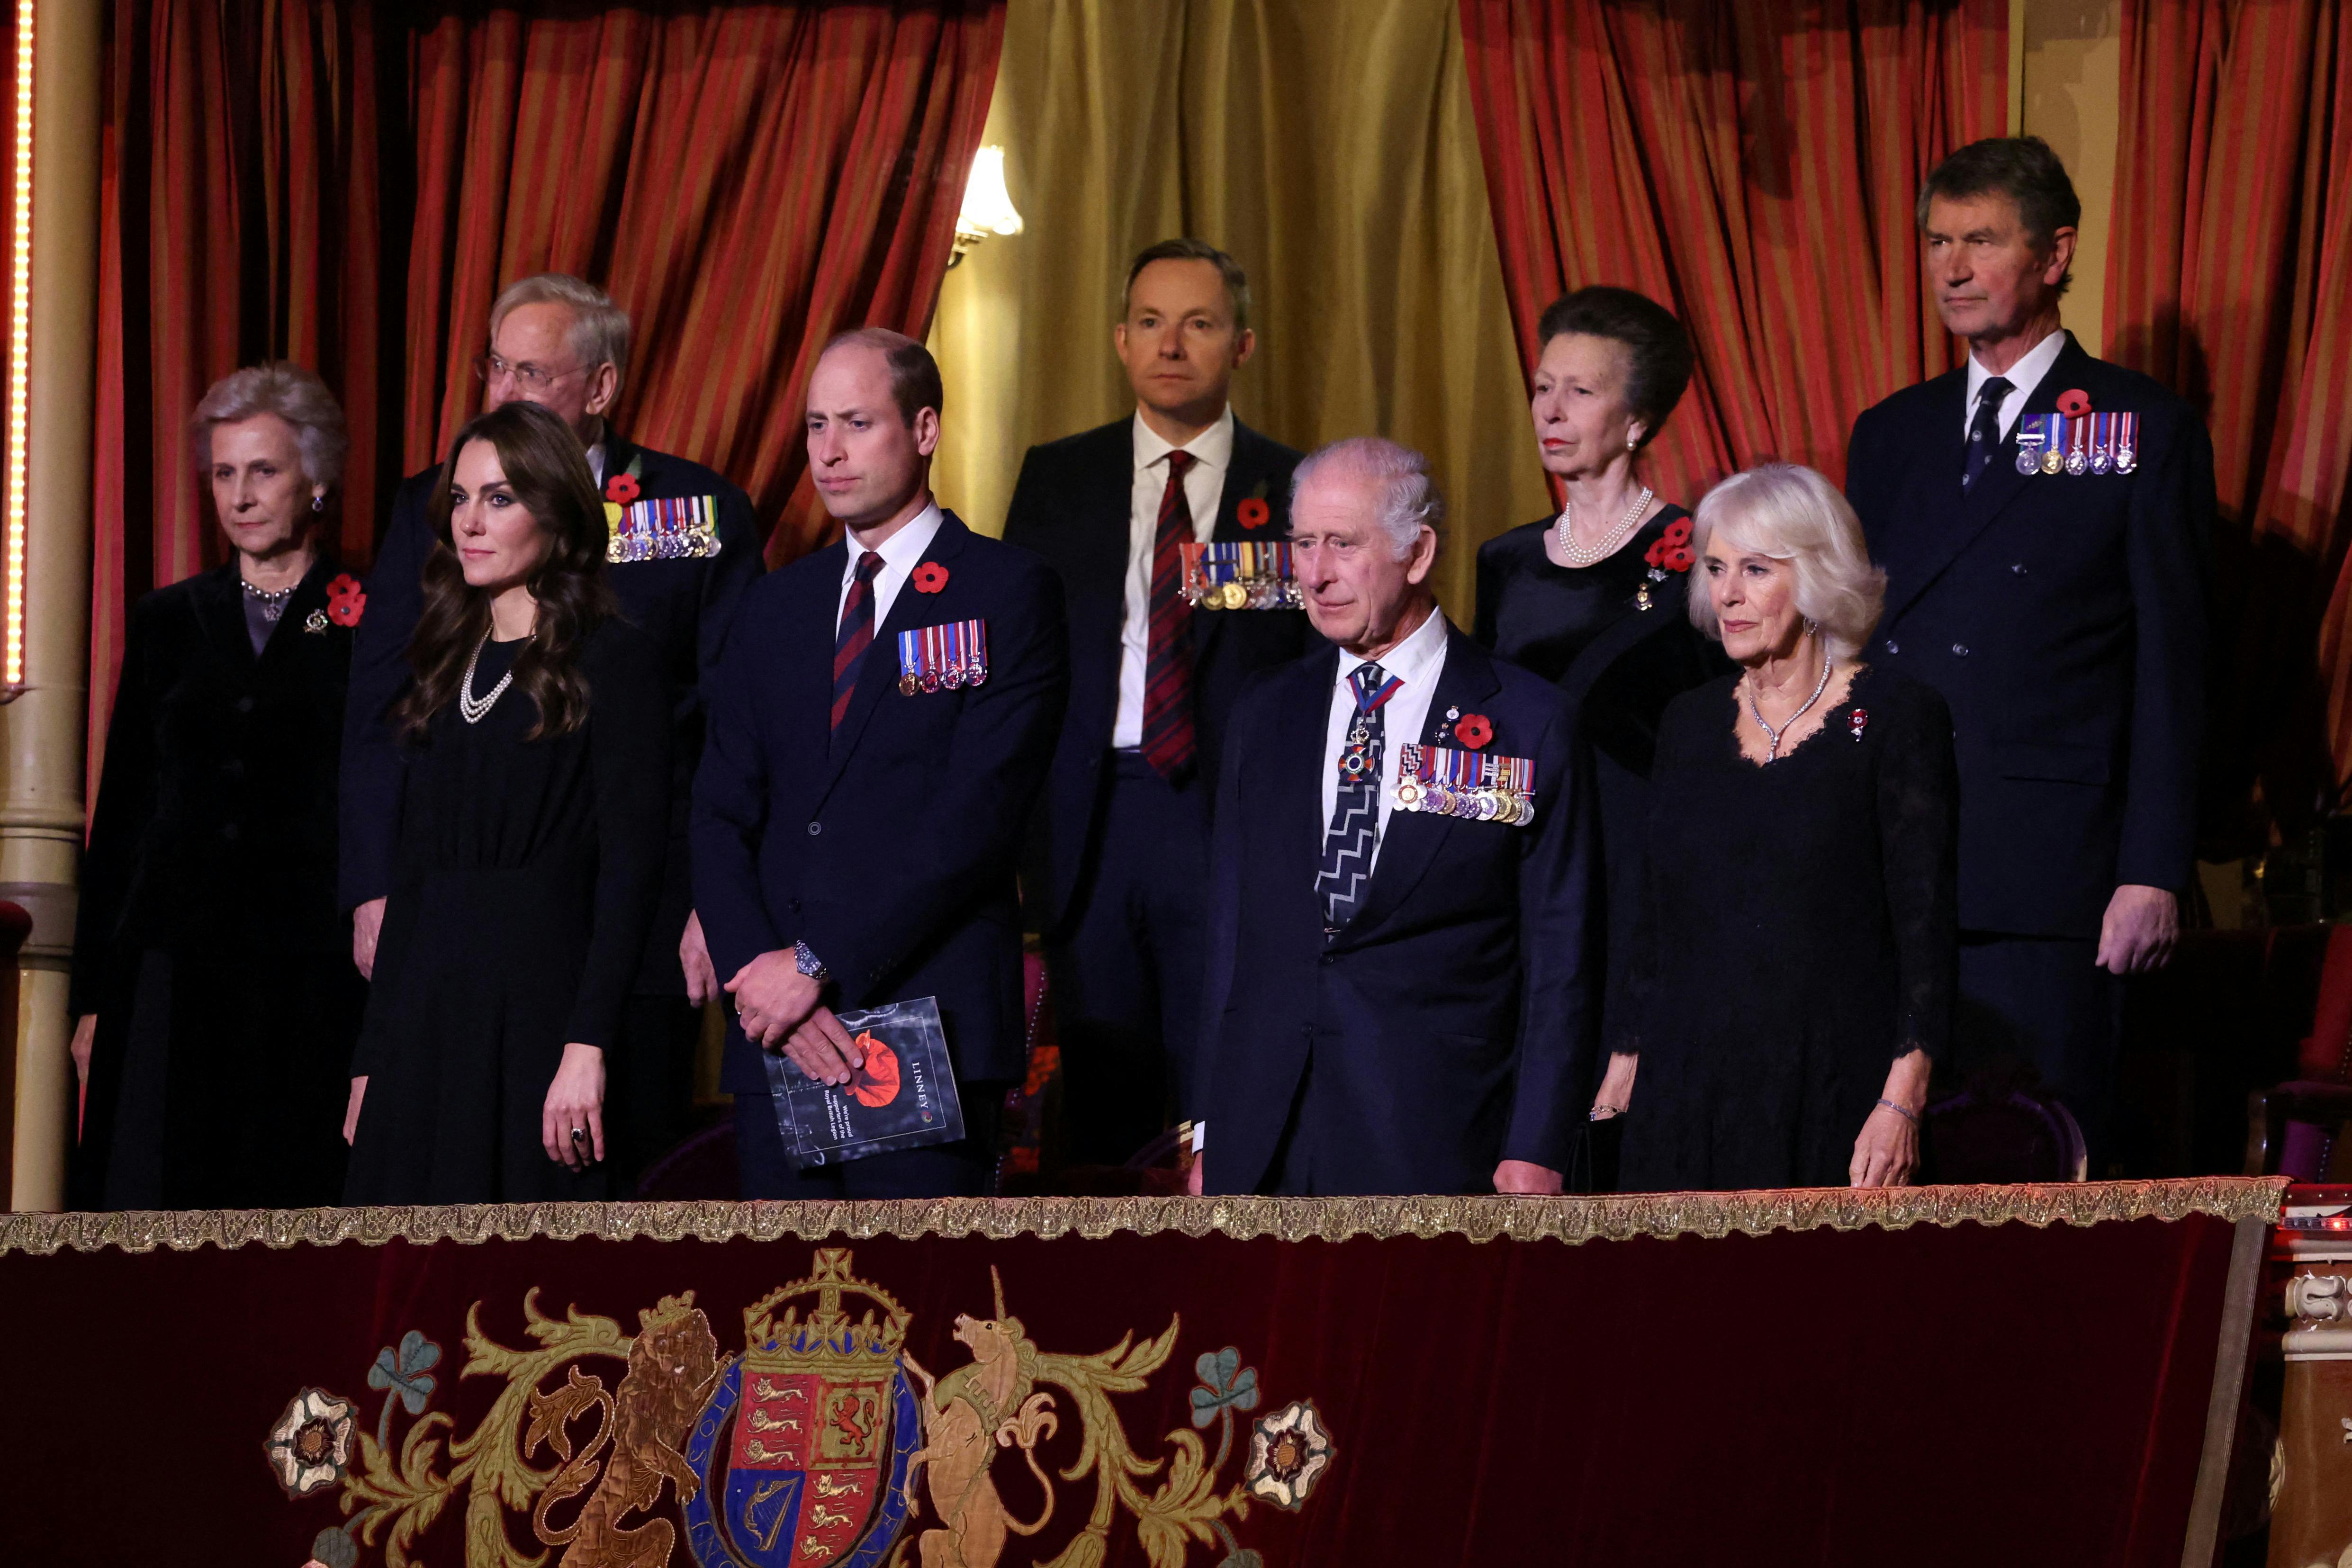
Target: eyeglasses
x=530 y=377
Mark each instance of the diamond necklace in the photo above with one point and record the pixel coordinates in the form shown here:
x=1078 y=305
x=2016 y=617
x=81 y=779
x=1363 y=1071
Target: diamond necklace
x=1772 y=752
x=1577 y=555
x=476 y=710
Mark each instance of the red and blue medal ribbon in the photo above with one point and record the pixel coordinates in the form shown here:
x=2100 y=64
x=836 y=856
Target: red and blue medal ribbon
x=949 y=656
x=664 y=528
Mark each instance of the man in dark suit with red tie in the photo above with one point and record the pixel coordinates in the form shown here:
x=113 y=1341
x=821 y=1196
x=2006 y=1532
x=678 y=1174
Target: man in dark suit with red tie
x=1116 y=858
x=2045 y=519
x=855 y=833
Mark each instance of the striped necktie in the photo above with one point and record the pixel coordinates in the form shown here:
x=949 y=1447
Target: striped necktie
x=1355 y=830
x=857 y=633
x=1167 y=742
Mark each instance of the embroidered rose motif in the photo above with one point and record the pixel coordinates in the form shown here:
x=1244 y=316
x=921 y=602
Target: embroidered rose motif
x=930 y=577
x=1254 y=513
x=621 y=489
x=2073 y=403
x=1289 y=1451
x=310 y=1447
x=345 y=600
x=1474 y=731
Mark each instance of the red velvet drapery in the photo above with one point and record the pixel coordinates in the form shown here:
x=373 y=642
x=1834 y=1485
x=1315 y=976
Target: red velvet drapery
x=2229 y=279
x=348 y=185
x=1751 y=166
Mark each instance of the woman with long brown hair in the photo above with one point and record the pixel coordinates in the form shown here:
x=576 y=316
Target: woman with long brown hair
x=535 y=816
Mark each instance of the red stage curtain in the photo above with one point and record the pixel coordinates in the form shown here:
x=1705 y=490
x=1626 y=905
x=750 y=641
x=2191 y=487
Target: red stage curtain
x=1752 y=166
x=2229 y=279
x=746 y=179
x=348 y=186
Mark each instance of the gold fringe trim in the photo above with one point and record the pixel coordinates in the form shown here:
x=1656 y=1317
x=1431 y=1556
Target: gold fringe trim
x=1564 y=1219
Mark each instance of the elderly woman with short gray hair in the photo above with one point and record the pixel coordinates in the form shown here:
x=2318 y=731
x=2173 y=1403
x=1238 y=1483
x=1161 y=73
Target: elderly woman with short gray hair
x=1794 y=969
x=216 y=1004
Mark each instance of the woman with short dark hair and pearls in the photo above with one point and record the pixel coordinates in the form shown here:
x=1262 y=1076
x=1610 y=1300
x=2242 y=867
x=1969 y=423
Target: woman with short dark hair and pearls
x=215 y=999
x=1793 y=971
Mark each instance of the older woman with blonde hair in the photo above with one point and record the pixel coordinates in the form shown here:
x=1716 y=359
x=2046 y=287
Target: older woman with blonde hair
x=1794 y=967
x=216 y=1007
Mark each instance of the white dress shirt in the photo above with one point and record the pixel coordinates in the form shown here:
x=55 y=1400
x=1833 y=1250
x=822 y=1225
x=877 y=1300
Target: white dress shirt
x=900 y=553
x=597 y=465
x=2022 y=378
x=1405 y=718
x=1204 y=486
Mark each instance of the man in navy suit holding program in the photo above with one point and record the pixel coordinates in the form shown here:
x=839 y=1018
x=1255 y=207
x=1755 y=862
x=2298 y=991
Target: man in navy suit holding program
x=1399 y=998
x=2044 y=518
x=857 y=818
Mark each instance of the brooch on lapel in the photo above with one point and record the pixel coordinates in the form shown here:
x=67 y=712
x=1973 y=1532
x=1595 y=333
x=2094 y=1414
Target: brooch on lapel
x=951 y=656
x=1472 y=786
x=1854 y=725
x=346 y=603
x=315 y=623
x=1670 y=551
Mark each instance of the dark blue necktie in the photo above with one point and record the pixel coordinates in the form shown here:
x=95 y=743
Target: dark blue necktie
x=1355 y=830
x=1984 y=431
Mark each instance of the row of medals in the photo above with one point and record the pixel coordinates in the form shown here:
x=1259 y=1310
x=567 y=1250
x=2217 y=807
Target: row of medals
x=1487 y=802
x=1258 y=593
x=2097 y=460
x=953 y=677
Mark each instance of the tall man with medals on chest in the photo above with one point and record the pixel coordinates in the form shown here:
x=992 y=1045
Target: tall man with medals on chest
x=879 y=729
x=684 y=546
x=2044 y=518
x=1398 y=996
x=1168 y=530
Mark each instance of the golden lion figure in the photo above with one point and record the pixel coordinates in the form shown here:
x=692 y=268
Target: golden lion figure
x=673 y=1366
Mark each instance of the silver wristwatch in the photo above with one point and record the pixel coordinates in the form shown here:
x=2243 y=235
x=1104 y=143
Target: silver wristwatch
x=808 y=963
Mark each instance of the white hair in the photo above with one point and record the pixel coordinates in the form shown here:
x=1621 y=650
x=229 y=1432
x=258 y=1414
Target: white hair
x=600 y=329
x=291 y=393
x=1791 y=513
x=1405 y=496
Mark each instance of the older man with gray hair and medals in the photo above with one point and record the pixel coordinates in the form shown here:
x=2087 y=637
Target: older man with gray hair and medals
x=1399 y=993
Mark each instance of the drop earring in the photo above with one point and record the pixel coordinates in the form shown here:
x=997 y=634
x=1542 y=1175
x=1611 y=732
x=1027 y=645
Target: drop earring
x=317 y=503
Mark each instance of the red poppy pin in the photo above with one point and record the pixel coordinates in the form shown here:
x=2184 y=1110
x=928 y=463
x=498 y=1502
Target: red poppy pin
x=1854 y=725
x=1677 y=533
x=1254 y=513
x=1668 y=554
x=930 y=577
x=621 y=489
x=2073 y=403
x=345 y=600
x=1474 y=731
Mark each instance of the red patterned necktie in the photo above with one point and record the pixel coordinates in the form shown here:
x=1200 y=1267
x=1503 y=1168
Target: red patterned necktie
x=1168 y=658
x=857 y=633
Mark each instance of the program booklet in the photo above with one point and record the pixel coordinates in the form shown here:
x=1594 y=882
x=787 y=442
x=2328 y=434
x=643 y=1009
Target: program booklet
x=902 y=1098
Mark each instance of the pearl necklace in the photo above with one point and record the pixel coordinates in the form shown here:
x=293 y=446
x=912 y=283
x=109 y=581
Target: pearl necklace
x=474 y=709
x=1748 y=685
x=1576 y=554
x=271 y=600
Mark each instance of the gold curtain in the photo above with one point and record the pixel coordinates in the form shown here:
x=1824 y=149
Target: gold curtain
x=1329 y=146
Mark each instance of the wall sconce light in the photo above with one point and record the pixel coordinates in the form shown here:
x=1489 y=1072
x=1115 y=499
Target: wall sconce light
x=987 y=205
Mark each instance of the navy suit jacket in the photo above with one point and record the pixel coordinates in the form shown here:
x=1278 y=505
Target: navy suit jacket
x=888 y=847
x=1072 y=506
x=2064 y=619
x=683 y=606
x=1450 y=1020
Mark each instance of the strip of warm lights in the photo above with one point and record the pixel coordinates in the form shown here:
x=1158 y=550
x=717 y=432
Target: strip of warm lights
x=20 y=316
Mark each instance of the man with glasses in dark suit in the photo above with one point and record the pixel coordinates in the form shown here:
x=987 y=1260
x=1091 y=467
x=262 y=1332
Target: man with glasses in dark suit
x=2044 y=518
x=684 y=546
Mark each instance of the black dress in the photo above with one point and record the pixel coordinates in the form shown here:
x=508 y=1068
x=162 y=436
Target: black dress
x=1585 y=627
x=525 y=876
x=1799 y=932
x=208 y=941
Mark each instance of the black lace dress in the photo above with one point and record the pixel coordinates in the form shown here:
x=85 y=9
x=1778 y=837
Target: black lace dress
x=1799 y=932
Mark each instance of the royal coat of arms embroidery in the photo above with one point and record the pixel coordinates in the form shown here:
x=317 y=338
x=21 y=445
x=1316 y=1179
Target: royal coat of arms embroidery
x=822 y=1444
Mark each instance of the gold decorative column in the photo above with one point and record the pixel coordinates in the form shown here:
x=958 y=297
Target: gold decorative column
x=52 y=290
